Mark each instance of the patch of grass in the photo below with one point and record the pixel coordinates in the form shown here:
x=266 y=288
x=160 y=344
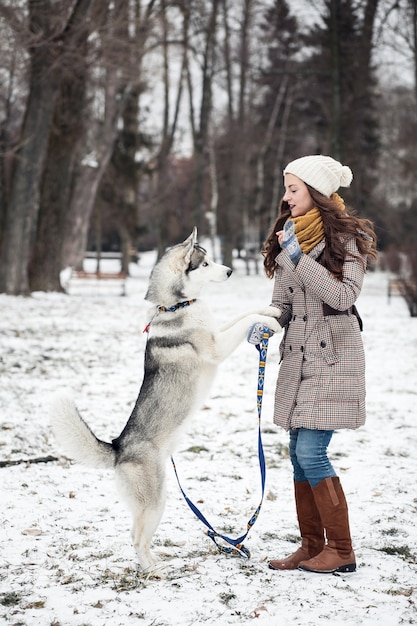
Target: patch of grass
x=403 y=551
x=37 y=604
x=249 y=570
x=401 y=592
x=273 y=463
x=269 y=535
x=292 y=538
x=391 y=532
x=339 y=455
x=128 y=580
x=168 y=543
x=201 y=553
x=226 y=598
x=87 y=543
x=67 y=579
x=106 y=554
x=197 y=449
x=282 y=450
x=389 y=452
x=10 y=599
x=228 y=529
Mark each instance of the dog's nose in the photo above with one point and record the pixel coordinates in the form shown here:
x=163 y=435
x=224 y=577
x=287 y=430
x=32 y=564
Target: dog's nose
x=229 y=272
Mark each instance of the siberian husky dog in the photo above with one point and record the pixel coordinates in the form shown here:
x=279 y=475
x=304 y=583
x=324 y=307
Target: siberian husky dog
x=183 y=350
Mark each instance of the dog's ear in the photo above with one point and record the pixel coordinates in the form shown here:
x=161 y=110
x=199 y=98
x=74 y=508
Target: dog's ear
x=189 y=244
x=192 y=239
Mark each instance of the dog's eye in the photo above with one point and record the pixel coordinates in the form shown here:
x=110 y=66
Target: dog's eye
x=205 y=264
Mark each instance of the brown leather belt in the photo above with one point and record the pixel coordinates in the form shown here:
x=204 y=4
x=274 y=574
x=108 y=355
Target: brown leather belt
x=328 y=310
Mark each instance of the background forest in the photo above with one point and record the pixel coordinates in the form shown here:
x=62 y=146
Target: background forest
x=123 y=123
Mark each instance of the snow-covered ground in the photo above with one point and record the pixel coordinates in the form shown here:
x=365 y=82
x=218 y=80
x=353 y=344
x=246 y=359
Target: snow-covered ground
x=66 y=557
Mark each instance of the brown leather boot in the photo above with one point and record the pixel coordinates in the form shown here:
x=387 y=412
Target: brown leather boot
x=311 y=529
x=337 y=555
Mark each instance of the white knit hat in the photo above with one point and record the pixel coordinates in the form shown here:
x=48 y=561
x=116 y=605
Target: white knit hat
x=321 y=172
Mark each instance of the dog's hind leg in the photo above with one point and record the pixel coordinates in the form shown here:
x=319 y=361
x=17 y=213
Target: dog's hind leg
x=145 y=523
x=143 y=486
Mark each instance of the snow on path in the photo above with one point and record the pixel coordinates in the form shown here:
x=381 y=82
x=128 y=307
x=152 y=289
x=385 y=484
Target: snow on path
x=65 y=552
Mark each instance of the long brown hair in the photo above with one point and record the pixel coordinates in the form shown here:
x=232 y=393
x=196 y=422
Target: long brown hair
x=339 y=225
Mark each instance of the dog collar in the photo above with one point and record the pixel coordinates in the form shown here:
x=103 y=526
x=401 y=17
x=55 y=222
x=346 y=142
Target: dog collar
x=171 y=309
x=179 y=305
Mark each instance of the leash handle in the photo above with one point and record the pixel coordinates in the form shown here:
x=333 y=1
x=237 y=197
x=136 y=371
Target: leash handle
x=236 y=546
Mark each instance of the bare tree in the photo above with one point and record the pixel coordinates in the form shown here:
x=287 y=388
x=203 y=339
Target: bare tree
x=119 y=192
x=65 y=143
x=89 y=173
x=277 y=82
x=282 y=101
x=47 y=40
x=413 y=10
x=200 y=123
x=236 y=150
x=173 y=85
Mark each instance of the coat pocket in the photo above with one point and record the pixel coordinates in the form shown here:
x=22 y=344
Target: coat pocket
x=282 y=344
x=325 y=344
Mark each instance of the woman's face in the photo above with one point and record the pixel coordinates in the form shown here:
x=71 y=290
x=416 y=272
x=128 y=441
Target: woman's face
x=297 y=195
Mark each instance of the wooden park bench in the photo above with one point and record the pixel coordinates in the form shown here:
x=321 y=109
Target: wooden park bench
x=394 y=288
x=98 y=276
x=405 y=288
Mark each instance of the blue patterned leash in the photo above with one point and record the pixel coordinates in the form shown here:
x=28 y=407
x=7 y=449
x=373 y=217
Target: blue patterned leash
x=235 y=547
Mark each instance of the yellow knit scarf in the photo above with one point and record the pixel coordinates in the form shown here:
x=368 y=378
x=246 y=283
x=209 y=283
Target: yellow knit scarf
x=309 y=227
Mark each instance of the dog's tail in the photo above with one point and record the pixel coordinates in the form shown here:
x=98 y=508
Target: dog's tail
x=76 y=437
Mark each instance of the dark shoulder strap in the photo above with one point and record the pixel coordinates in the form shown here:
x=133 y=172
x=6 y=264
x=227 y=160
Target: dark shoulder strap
x=355 y=312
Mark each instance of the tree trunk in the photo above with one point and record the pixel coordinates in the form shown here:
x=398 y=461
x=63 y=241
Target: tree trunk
x=67 y=129
x=236 y=218
x=201 y=134
x=87 y=177
x=48 y=62
x=265 y=146
x=23 y=204
x=361 y=154
x=336 y=89
x=64 y=145
x=279 y=155
x=123 y=169
x=414 y=22
x=162 y=178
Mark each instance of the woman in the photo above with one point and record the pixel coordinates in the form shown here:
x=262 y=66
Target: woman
x=317 y=251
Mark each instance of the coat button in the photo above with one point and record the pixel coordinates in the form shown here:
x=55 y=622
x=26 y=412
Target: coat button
x=290 y=348
x=323 y=344
x=302 y=348
x=293 y=317
x=305 y=318
x=290 y=289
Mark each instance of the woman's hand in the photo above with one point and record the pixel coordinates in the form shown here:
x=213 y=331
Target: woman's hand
x=290 y=242
x=280 y=235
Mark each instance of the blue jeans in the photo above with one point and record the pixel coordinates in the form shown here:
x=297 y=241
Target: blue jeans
x=308 y=454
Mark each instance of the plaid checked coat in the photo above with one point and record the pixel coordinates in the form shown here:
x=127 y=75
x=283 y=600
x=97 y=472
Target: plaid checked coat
x=321 y=381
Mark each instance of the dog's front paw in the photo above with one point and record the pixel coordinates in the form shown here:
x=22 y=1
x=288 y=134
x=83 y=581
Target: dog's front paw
x=257 y=330
x=271 y=323
x=270 y=311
